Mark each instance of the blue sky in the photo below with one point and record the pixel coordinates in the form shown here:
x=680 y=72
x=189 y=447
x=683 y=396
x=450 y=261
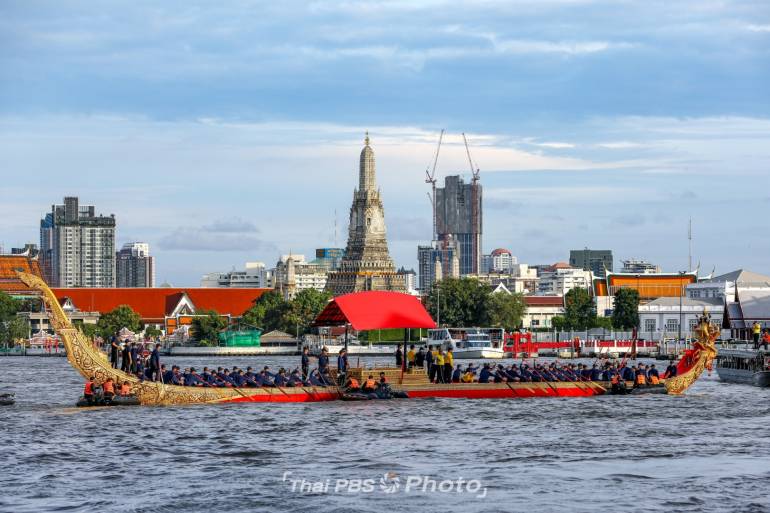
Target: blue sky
x=222 y=132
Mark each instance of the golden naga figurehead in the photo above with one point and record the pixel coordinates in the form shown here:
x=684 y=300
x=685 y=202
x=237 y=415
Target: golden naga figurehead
x=702 y=356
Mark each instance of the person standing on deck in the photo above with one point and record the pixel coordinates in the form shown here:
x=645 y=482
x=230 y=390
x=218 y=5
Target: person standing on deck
x=134 y=351
x=756 y=330
x=155 y=364
x=125 y=360
x=449 y=362
x=419 y=358
x=430 y=358
x=342 y=366
x=438 y=363
x=399 y=356
x=114 y=350
x=305 y=364
x=410 y=357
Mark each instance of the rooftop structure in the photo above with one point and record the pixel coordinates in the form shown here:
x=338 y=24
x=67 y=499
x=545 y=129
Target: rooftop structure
x=9 y=281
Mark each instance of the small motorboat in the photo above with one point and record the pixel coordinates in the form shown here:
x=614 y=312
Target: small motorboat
x=7 y=399
x=118 y=400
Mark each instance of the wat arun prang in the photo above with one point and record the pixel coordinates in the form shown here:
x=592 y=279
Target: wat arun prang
x=367 y=264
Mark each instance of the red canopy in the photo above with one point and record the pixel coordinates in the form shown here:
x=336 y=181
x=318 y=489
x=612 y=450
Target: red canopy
x=375 y=310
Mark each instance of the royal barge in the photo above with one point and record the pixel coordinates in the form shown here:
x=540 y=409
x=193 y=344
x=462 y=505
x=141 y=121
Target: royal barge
x=365 y=310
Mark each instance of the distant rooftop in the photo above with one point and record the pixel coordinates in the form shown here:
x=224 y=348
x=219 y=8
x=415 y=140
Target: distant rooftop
x=743 y=277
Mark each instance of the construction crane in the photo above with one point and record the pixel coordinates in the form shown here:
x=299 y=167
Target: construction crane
x=430 y=177
x=475 y=214
x=474 y=170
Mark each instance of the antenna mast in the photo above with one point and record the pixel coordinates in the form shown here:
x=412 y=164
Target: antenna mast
x=430 y=177
x=689 y=246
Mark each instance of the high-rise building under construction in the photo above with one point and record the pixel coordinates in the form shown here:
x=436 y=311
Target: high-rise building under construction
x=458 y=217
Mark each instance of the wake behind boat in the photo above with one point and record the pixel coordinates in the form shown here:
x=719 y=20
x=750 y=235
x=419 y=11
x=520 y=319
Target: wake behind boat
x=363 y=311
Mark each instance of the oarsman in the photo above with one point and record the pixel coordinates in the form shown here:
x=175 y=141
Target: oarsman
x=485 y=374
x=280 y=378
x=671 y=370
x=457 y=374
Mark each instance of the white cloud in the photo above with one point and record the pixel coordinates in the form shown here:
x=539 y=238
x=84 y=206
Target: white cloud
x=758 y=28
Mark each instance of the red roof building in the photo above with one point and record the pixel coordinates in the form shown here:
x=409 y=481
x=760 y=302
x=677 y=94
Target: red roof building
x=9 y=281
x=155 y=305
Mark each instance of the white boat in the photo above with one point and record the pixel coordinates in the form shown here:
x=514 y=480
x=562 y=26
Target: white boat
x=467 y=343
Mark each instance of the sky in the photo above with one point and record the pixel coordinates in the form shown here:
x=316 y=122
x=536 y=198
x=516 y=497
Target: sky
x=226 y=132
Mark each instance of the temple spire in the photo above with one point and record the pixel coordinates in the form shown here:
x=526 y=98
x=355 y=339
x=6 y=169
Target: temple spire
x=366 y=176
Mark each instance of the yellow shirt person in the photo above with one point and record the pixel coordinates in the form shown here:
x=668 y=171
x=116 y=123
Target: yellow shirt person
x=449 y=359
x=439 y=359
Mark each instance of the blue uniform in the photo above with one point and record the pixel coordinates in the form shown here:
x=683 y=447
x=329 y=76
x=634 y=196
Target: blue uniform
x=484 y=375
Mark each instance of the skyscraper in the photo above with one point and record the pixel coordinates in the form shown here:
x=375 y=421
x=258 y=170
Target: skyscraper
x=594 y=260
x=438 y=261
x=77 y=247
x=135 y=267
x=366 y=264
x=458 y=215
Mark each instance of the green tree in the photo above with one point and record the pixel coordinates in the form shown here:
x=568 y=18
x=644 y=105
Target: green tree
x=13 y=329
x=151 y=331
x=89 y=330
x=206 y=326
x=506 y=310
x=121 y=317
x=8 y=307
x=579 y=309
x=604 y=322
x=464 y=302
x=270 y=312
x=625 y=314
x=559 y=323
x=305 y=307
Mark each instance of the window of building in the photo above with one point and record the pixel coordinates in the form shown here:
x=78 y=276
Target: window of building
x=672 y=325
x=693 y=324
x=649 y=325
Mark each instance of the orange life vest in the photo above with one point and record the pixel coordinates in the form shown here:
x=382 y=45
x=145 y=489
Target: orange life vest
x=641 y=380
x=615 y=380
x=654 y=380
x=125 y=389
x=370 y=383
x=108 y=387
x=353 y=383
x=89 y=390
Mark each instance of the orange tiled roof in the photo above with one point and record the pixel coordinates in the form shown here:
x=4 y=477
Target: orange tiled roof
x=154 y=304
x=9 y=264
x=649 y=286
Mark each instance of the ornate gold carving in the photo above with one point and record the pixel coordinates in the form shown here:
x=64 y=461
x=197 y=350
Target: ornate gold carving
x=704 y=353
x=89 y=361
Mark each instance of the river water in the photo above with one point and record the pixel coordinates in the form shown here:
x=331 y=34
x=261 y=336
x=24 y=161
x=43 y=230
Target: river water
x=705 y=451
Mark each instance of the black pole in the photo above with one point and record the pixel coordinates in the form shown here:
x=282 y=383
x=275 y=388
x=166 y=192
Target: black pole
x=346 y=338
